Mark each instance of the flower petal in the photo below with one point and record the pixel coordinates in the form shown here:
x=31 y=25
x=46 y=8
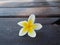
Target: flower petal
x=22 y=23
x=32 y=33
x=22 y=32
x=31 y=18
x=38 y=26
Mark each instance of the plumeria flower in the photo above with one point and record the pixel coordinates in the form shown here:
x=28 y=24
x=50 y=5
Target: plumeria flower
x=29 y=26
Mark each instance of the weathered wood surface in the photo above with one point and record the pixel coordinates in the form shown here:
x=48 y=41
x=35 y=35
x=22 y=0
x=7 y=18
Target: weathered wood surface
x=48 y=35
x=29 y=4
x=9 y=29
x=27 y=8
x=42 y=11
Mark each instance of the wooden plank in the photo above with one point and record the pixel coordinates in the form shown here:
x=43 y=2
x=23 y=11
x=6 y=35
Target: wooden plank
x=26 y=0
x=28 y=4
x=41 y=11
x=49 y=34
x=13 y=21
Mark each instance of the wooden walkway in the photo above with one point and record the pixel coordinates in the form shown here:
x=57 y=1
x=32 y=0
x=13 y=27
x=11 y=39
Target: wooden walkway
x=46 y=14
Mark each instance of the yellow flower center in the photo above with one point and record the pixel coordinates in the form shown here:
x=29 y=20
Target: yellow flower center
x=29 y=26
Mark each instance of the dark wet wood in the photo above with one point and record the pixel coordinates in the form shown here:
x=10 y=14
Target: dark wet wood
x=48 y=35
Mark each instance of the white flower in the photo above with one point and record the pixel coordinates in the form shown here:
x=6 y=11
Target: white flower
x=29 y=26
